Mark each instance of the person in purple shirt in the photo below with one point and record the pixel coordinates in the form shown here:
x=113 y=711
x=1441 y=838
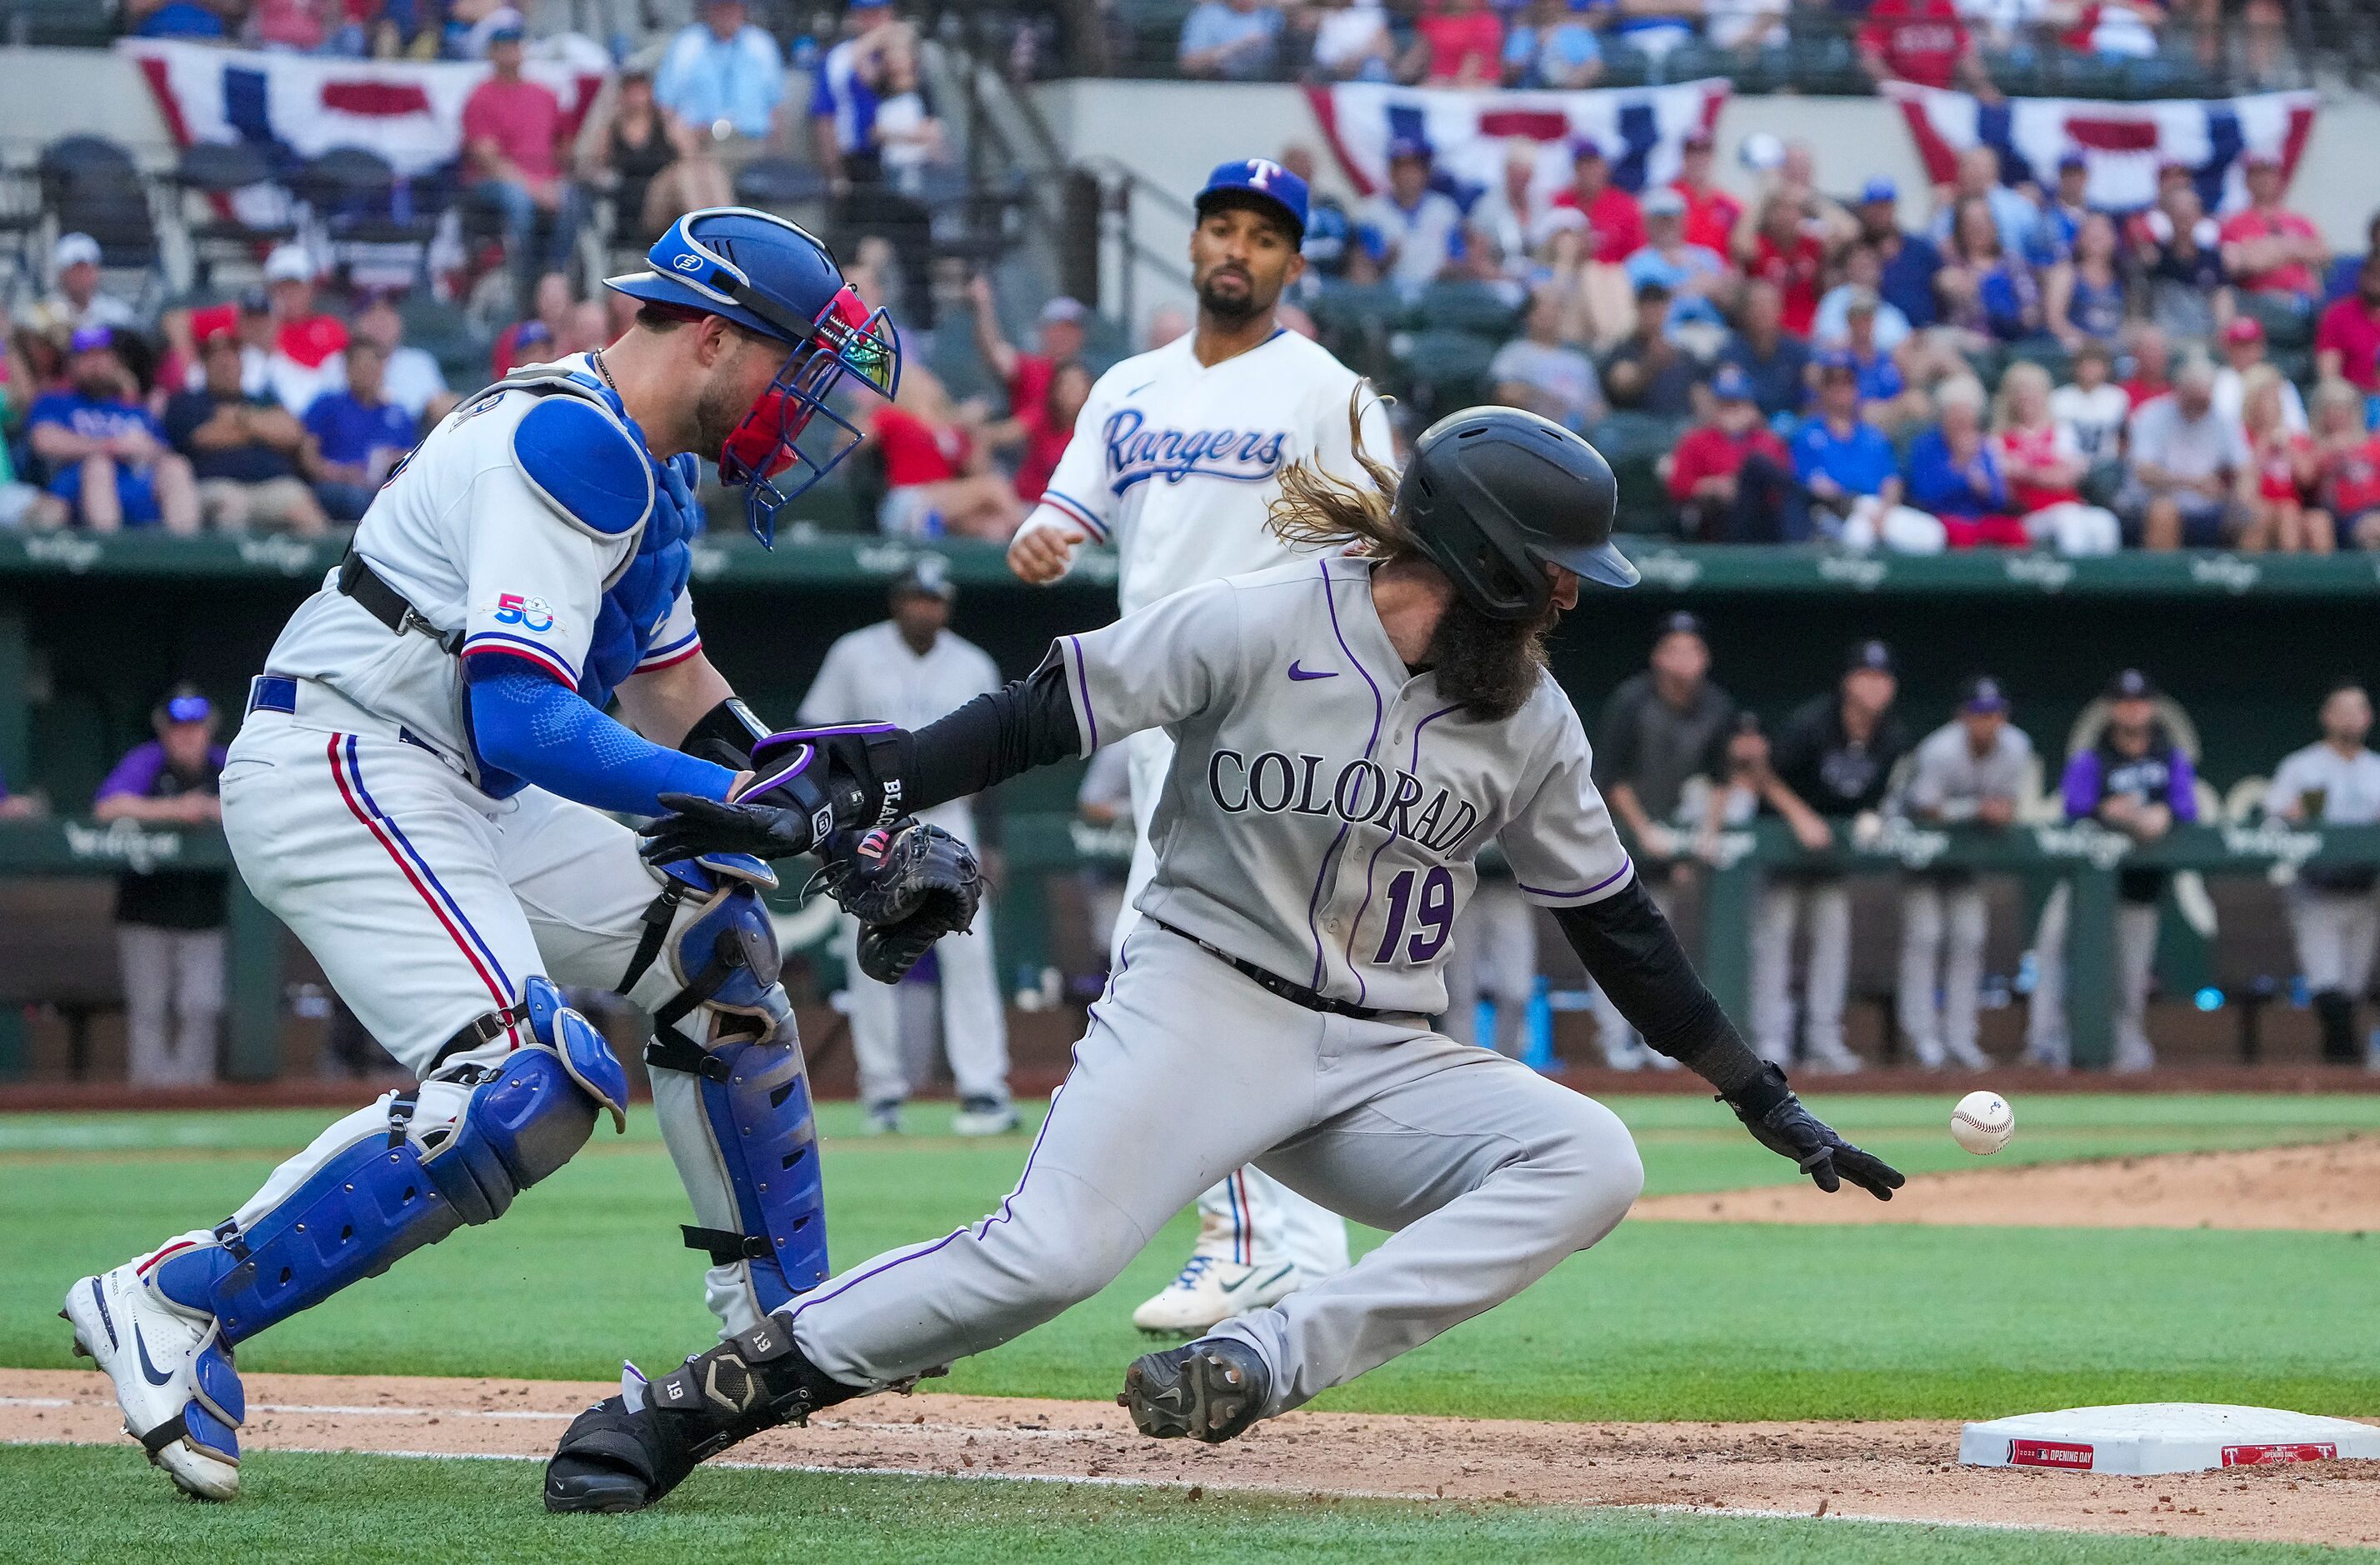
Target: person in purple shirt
x=2133 y=778
x=169 y=923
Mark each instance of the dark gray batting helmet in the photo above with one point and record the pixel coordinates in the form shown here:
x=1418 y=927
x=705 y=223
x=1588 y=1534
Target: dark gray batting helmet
x=1496 y=494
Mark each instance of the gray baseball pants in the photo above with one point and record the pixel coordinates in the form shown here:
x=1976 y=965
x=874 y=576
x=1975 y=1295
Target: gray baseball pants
x=1942 y=930
x=1486 y=1174
x=1825 y=981
x=1493 y=956
x=2334 y=933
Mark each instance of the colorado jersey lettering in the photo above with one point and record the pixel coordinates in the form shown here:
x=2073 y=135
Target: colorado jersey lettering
x=1177 y=463
x=1325 y=830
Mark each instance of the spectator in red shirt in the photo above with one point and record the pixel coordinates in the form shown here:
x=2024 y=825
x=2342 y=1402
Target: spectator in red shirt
x=2152 y=374
x=2347 y=342
x=1711 y=213
x=1924 y=42
x=1047 y=427
x=1783 y=251
x=1457 y=44
x=1027 y=375
x=515 y=146
x=1614 y=219
x=937 y=468
x=289 y=349
x=550 y=307
x=2268 y=249
x=1730 y=476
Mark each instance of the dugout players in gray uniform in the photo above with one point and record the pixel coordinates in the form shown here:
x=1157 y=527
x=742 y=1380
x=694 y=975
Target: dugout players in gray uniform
x=1348 y=732
x=2333 y=916
x=1971 y=771
x=1831 y=762
x=1661 y=729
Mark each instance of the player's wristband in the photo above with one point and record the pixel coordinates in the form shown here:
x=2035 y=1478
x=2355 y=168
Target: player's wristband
x=725 y=733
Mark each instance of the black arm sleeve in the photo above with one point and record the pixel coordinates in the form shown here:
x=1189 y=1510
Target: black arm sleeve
x=1628 y=948
x=1026 y=724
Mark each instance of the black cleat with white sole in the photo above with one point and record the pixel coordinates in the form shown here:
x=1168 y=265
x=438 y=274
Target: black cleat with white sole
x=1209 y=1390
x=629 y=1450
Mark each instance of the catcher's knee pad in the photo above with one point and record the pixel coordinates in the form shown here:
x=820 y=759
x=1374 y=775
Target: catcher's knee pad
x=382 y=1198
x=746 y=1059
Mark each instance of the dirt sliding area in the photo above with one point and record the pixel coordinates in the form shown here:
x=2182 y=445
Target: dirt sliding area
x=1877 y=1471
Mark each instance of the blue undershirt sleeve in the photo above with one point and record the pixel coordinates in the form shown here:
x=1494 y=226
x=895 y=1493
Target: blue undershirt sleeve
x=527 y=723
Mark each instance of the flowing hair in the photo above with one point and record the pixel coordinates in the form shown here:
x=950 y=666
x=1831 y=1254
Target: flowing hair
x=1320 y=510
x=1489 y=667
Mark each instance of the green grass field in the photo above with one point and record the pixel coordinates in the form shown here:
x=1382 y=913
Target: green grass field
x=364 y=1509
x=1662 y=1321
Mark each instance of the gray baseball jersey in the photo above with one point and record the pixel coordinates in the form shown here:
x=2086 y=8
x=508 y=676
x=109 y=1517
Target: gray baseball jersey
x=1948 y=780
x=2348 y=786
x=1324 y=804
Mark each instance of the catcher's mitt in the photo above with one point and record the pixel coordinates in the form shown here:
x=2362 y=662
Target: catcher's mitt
x=908 y=885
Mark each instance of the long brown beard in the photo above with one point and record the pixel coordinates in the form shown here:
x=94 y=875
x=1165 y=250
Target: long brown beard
x=1489 y=666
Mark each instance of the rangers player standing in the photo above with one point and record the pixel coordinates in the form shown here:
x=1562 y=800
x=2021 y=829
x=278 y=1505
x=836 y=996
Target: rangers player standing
x=1176 y=459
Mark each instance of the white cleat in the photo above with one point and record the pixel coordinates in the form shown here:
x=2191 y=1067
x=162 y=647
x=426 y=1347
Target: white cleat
x=1969 y=1057
x=174 y=1377
x=1210 y=1288
x=986 y=1116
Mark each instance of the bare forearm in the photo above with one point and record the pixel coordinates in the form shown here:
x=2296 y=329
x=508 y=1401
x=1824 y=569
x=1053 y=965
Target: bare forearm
x=663 y=704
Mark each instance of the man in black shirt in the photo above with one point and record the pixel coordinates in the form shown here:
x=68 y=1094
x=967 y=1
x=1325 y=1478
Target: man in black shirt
x=1661 y=729
x=169 y=923
x=248 y=452
x=1830 y=764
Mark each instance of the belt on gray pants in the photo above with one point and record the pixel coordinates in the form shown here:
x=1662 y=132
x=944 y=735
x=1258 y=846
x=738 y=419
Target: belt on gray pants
x=1274 y=983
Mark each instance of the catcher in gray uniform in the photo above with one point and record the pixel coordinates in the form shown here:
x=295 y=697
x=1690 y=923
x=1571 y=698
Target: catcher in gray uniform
x=1349 y=731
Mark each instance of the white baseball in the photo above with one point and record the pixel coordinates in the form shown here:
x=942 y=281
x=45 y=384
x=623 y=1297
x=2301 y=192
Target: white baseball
x=1983 y=1122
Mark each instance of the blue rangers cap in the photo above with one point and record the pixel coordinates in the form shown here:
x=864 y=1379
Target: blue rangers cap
x=1261 y=181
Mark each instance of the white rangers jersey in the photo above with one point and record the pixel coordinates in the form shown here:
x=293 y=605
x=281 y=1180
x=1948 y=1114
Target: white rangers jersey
x=1176 y=463
x=464 y=537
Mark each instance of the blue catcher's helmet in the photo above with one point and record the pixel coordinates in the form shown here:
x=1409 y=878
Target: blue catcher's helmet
x=774 y=278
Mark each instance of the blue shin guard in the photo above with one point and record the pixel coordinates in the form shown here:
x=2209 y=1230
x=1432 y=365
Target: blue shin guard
x=382 y=1198
x=755 y=1093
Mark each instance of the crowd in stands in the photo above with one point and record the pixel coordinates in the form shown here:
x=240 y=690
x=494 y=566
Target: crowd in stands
x=2018 y=370
x=1574 y=44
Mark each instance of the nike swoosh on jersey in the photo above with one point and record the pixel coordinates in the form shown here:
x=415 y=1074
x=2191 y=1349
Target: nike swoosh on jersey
x=156 y=1377
x=1302 y=673
x=1251 y=1277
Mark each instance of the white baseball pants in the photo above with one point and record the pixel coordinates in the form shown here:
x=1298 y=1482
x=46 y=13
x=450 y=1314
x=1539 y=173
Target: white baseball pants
x=974 y=1024
x=1245 y=1217
x=2046 y=1041
x=429 y=904
x=1485 y=1173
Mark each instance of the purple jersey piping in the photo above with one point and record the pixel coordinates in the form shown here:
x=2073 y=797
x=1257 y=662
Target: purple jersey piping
x=1083 y=684
x=1626 y=864
x=1313 y=903
x=1355 y=928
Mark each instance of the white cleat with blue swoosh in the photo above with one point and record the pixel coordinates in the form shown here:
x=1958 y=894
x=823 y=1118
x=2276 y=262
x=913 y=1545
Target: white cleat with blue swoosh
x=172 y=1373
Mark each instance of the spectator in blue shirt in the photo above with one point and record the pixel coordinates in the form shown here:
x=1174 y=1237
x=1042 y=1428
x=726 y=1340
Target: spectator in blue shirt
x=106 y=454
x=361 y=434
x=1557 y=45
x=1909 y=260
x=722 y=80
x=1777 y=361
x=1234 y=40
x=1698 y=278
x=1953 y=473
x=1848 y=473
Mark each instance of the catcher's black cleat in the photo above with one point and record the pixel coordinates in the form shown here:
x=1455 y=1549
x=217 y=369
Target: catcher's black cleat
x=1209 y=1390
x=627 y=1451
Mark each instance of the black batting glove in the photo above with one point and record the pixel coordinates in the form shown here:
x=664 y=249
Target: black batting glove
x=1778 y=1120
x=783 y=811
